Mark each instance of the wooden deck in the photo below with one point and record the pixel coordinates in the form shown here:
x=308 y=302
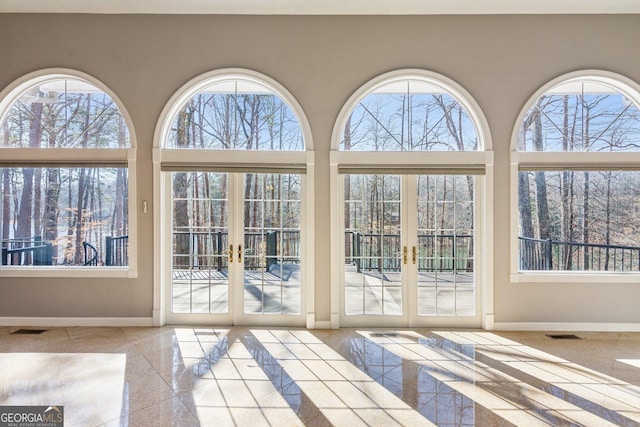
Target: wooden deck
x=207 y=291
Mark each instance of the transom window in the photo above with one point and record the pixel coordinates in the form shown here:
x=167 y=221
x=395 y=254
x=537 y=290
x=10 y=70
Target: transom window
x=66 y=147
x=63 y=112
x=409 y=115
x=236 y=114
x=578 y=176
x=582 y=115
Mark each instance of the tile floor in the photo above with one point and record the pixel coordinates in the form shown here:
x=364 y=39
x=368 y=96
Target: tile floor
x=189 y=376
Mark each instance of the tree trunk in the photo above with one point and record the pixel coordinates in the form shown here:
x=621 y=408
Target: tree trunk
x=82 y=183
x=347 y=178
x=542 y=204
x=25 y=219
x=607 y=240
x=524 y=198
x=585 y=197
x=6 y=191
x=180 y=194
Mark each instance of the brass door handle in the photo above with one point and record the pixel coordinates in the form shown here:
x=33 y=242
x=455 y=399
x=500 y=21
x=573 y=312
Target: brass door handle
x=414 y=254
x=230 y=253
x=404 y=255
x=239 y=253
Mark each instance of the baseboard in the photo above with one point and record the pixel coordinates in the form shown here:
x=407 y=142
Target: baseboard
x=322 y=324
x=76 y=321
x=568 y=326
x=489 y=322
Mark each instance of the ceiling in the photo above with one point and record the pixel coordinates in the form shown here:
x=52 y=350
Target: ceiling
x=323 y=7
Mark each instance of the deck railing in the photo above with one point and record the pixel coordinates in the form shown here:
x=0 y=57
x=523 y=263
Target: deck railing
x=537 y=254
x=90 y=254
x=210 y=249
x=384 y=253
x=35 y=251
x=116 y=251
x=367 y=251
x=27 y=251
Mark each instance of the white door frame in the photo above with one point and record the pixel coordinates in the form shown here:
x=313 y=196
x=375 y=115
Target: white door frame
x=235 y=314
x=409 y=317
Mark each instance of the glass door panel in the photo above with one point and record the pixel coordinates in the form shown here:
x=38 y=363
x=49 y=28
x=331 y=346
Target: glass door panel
x=445 y=246
x=272 y=211
x=373 y=245
x=200 y=242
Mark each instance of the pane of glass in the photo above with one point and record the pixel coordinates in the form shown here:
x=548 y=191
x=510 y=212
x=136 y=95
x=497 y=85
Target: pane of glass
x=68 y=113
x=581 y=116
x=272 y=281
x=65 y=216
x=445 y=258
x=236 y=115
x=409 y=115
x=200 y=270
x=373 y=282
x=579 y=220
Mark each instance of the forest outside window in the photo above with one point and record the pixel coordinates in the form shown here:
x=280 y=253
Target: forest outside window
x=65 y=176
x=578 y=178
x=408 y=175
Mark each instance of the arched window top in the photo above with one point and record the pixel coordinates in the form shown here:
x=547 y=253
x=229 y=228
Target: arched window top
x=235 y=111
x=49 y=109
x=582 y=112
x=411 y=111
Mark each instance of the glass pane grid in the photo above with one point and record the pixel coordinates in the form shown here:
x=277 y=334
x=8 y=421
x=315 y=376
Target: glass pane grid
x=272 y=244
x=200 y=270
x=373 y=279
x=446 y=284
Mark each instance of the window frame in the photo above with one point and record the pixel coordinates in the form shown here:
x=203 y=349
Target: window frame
x=167 y=159
x=559 y=161
x=64 y=157
x=479 y=163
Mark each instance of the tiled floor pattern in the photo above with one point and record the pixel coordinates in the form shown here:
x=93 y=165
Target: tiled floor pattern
x=189 y=376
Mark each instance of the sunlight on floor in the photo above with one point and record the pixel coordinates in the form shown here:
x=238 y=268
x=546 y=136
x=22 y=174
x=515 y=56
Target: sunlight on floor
x=90 y=386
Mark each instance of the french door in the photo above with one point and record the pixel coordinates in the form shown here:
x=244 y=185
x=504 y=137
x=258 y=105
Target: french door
x=235 y=253
x=409 y=251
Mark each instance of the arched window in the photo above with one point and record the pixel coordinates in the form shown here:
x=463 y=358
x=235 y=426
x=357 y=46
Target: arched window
x=65 y=141
x=233 y=164
x=576 y=176
x=408 y=114
x=236 y=113
x=408 y=177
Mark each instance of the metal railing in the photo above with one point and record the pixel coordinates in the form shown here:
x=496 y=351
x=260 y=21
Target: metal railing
x=537 y=254
x=90 y=254
x=116 y=251
x=27 y=251
x=383 y=252
x=35 y=251
x=210 y=249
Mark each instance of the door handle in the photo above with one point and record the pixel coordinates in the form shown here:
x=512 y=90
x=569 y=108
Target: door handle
x=404 y=255
x=414 y=254
x=239 y=253
x=230 y=253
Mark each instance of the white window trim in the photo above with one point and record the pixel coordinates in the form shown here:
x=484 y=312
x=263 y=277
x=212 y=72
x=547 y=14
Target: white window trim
x=74 y=156
x=557 y=161
x=228 y=160
x=427 y=161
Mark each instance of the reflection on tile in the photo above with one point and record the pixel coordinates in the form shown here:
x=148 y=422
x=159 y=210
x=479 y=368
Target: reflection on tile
x=340 y=398
x=89 y=386
x=288 y=377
